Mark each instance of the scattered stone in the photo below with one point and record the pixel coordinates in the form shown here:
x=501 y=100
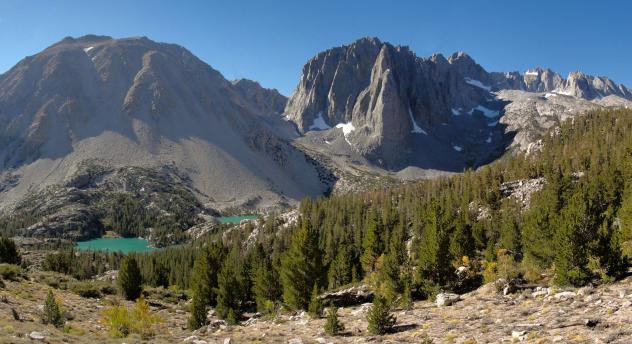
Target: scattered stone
x=564 y=295
x=36 y=335
x=520 y=335
x=296 y=340
x=363 y=309
x=584 y=291
x=539 y=293
x=68 y=315
x=216 y=325
x=447 y=299
x=228 y=340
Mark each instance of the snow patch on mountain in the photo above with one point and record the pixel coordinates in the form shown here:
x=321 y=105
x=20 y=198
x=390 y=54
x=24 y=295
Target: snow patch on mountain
x=489 y=113
x=478 y=84
x=416 y=128
x=319 y=123
x=347 y=128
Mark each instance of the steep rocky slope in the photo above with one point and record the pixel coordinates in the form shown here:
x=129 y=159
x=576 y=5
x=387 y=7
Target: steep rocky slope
x=135 y=102
x=392 y=109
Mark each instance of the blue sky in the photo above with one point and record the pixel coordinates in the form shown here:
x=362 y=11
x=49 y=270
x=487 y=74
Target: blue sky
x=270 y=41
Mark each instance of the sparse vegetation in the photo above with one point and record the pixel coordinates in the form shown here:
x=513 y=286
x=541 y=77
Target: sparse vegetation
x=52 y=313
x=379 y=317
x=333 y=326
x=122 y=321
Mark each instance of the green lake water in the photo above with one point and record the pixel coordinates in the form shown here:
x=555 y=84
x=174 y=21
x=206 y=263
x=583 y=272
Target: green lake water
x=236 y=219
x=124 y=245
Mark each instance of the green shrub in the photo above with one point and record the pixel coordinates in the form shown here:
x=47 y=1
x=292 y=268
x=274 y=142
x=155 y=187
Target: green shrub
x=8 y=251
x=11 y=272
x=85 y=289
x=139 y=320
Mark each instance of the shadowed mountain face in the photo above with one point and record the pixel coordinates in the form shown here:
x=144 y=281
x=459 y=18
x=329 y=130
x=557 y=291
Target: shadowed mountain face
x=399 y=110
x=135 y=102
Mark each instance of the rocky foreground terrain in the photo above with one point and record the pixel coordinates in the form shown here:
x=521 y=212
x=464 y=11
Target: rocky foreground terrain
x=488 y=315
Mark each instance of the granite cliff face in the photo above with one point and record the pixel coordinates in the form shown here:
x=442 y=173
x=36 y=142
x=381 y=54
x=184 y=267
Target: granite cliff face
x=381 y=96
x=397 y=109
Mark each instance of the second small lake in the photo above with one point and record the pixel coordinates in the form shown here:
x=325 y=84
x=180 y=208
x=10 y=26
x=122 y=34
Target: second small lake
x=124 y=245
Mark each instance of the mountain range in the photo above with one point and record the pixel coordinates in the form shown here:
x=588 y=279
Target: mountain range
x=369 y=109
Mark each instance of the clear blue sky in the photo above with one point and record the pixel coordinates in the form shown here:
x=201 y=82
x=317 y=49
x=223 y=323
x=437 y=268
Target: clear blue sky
x=269 y=41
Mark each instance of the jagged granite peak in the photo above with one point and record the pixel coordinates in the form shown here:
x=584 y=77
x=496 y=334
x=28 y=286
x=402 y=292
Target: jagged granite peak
x=386 y=99
x=136 y=102
x=386 y=93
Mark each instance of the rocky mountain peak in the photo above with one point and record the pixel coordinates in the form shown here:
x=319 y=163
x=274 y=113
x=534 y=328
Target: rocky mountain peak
x=136 y=102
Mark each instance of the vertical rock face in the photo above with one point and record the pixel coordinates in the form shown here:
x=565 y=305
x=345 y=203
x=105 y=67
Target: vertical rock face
x=384 y=97
x=385 y=92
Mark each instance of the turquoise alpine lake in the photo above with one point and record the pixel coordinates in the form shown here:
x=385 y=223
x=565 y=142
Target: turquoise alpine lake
x=235 y=219
x=124 y=245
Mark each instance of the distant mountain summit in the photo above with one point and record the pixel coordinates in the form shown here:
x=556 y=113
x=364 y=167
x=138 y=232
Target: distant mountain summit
x=397 y=109
x=136 y=102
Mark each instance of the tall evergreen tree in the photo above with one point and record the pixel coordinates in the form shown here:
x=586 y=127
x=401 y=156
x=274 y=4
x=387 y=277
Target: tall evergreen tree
x=301 y=266
x=434 y=263
x=340 y=270
x=573 y=239
x=265 y=285
x=232 y=287
x=204 y=282
x=372 y=243
x=130 y=280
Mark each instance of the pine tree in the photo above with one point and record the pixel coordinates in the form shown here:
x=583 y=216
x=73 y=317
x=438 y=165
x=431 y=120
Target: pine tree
x=609 y=250
x=462 y=242
x=407 y=297
x=379 y=316
x=434 y=262
x=315 y=308
x=232 y=287
x=301 y=266
x=573 y=239
x=333 y=326
x=52 y=311
x=371 y=244
x=340 y=271
x=389 y=279
x=129 y=279
x=265 y=285
x=204 y=282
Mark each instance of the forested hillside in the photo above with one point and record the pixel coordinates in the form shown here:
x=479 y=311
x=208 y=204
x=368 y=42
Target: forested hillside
x=573 y=227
